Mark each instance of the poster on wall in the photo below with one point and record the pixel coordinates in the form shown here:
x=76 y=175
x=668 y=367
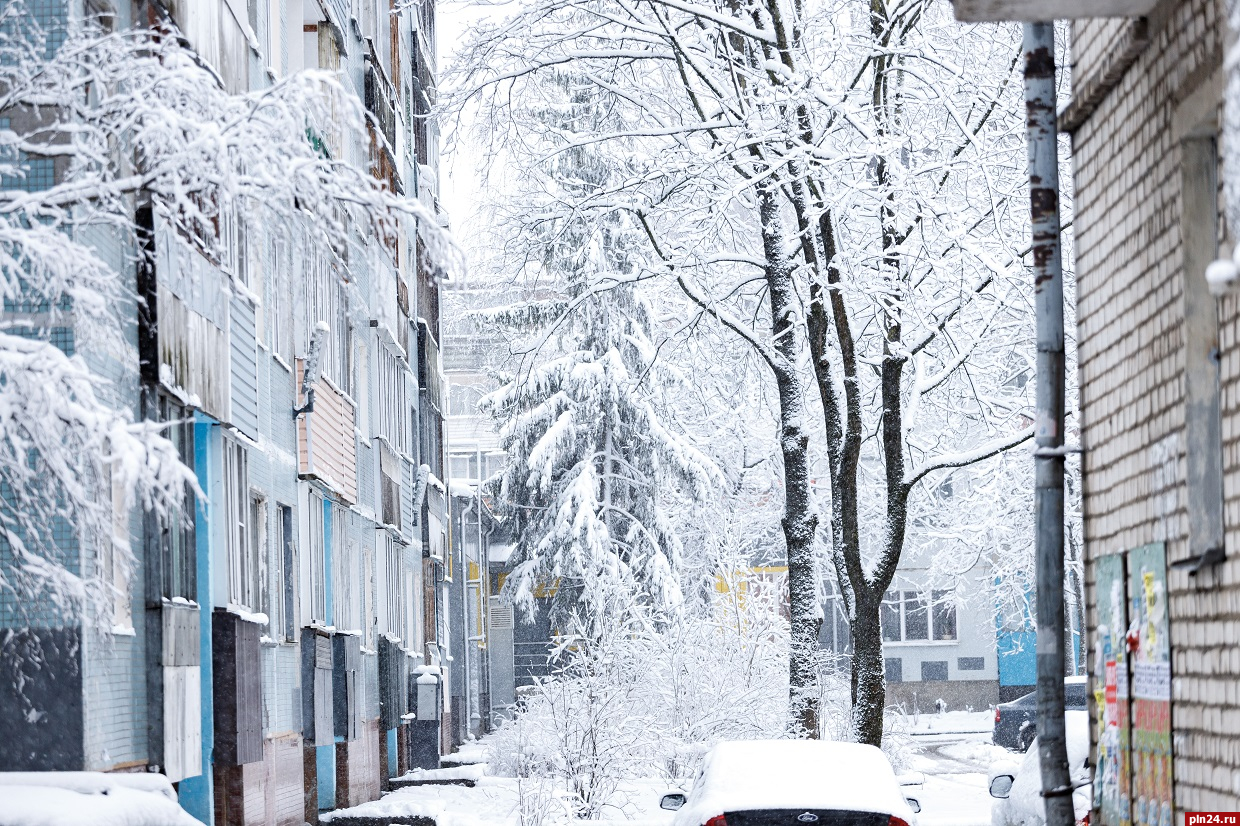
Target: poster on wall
x=1149 y=653
x=1112 y=778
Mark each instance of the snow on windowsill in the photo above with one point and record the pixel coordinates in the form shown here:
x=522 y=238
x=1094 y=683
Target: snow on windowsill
x=915 y=643
x=188 y=603
x=123 y=631
x=248 y=616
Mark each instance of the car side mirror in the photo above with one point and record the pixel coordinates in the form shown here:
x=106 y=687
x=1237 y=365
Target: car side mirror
x=914 y=804
x=672 y=801
x=1001 y=785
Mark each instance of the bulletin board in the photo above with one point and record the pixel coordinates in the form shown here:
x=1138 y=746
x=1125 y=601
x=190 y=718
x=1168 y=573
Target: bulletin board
x=1150 y=655
x=1112 y=776
x=1132 y=689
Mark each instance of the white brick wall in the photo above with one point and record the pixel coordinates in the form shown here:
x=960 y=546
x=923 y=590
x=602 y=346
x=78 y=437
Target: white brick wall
x=1130 y=316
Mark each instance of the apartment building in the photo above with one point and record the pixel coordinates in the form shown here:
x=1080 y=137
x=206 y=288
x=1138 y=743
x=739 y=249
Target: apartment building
x=1159 y=370
x=281 y=647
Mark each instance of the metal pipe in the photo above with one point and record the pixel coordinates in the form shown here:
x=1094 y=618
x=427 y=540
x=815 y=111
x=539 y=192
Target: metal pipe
x=1039 y=47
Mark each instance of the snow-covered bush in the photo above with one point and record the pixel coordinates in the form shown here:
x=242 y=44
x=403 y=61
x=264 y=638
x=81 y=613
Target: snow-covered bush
x=647 y=698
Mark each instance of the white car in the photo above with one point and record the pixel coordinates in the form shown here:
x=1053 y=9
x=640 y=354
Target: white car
x=793 y=783
x=1018 y=788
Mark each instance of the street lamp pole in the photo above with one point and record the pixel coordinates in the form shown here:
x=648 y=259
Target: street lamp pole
x=1040 y=100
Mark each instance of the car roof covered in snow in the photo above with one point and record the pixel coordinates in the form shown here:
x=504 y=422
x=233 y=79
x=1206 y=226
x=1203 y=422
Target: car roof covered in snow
x=754 y=775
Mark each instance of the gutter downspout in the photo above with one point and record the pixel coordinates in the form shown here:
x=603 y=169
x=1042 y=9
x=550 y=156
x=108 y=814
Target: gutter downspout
x=1039 y=47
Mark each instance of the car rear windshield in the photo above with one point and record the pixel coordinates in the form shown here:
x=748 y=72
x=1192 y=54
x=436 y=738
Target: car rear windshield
x=805 y=817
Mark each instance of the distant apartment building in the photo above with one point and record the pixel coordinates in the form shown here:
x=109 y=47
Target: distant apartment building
x=283 y=646
x=1159 y=370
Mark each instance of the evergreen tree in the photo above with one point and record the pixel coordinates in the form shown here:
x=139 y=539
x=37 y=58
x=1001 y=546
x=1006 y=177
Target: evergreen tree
x=592 y=467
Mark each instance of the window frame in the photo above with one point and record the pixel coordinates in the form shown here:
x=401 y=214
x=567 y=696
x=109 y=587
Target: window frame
x=238 y=538
x=931 y=604
x=177 y=538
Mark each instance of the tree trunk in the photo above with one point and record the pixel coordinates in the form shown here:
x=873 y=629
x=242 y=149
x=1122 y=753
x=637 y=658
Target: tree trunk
x=869 y=691
x=800 y=523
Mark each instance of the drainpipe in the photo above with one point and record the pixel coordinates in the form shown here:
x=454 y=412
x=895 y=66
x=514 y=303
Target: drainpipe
x=1039 y=47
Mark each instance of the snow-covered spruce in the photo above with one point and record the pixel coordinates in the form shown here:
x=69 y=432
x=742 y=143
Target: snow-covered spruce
x=593 y=467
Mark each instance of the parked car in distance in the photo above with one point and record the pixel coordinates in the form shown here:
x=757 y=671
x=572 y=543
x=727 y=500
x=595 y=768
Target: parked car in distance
x=793 y=783
x=1017 y=789
x=1016 y=722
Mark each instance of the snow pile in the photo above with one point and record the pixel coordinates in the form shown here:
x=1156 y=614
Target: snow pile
x=89 y=799
x=793 y=774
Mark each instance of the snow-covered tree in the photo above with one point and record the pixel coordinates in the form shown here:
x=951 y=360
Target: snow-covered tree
x=97 y=123
x=592 y=466
x=839 y=185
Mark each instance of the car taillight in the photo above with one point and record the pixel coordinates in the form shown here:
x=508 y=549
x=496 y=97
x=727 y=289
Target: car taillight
x=896 y=821
x=1083 y=821
x=997 y=714
x=717 y=820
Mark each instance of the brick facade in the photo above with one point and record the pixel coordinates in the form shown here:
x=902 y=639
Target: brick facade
x=1129 y=173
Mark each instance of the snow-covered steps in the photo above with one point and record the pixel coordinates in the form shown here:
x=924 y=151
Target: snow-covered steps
x=493 y=803
x=460 y=775
x=467 y=754
x=347 y=817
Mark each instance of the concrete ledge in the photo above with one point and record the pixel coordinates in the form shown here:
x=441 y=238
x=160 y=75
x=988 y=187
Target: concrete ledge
x=344 y=819
x=409 y=782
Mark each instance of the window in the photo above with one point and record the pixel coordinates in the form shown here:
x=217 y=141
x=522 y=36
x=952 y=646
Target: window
x=393 y=615
x=463 y=399
x=329 y=303
x=344 y=581
x=934 y=670
x=238 y=516
x=393 y=424
x=463 y=466
x=116 y=554
x=286 y=546
x=943 y=611
x=366 y=600
x=906 y=617
x=233 y=257
x=260 y=554
x=893 y=669
x=318 y=561
x=279 y=305
x=916 y=618
x=177 y=555
x=971 y=664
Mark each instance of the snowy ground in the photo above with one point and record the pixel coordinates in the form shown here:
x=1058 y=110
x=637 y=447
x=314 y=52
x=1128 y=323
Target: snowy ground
x=953 y=751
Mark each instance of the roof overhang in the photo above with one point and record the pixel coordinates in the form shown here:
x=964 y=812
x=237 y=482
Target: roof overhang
x=980 y=11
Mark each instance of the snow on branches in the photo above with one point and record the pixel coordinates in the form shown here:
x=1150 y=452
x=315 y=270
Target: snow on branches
x=839 y=188
x=96 y=124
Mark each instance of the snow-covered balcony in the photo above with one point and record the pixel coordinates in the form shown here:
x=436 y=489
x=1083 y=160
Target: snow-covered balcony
x=1041 y=10
x=326 y=439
